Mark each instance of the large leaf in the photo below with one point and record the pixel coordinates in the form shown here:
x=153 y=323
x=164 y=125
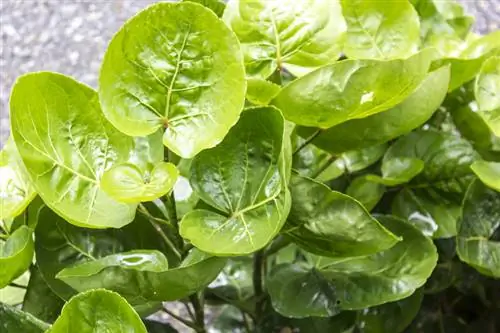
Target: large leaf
x=487 y=91
x=174 y=66
x=141 y=276
x=488 y=172
x=327 y=285
x=432 y=199
x=98 y=311
x=16 y=254
x=67 y=144
x=16 y=191
x=217 y=6
x=333 y=224
x=380 y=29
x=245 y=179
x=366 y=191
x=297 y=35
x=382 y=127
x=480 y=219
x=351 y=89
x=13 y=320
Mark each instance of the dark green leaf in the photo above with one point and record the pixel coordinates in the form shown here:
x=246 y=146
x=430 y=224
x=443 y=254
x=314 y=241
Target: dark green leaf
x=366 y=191
x=398 y=170
x=13 y=320
x=16 y=254
x=157 y=327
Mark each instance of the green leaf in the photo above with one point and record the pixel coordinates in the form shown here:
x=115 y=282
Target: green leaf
x=235 y=281
x=13 y=295
x=366 y=191
x=340 y=323
x=488 y=172
x=14 y=320
x=480 y=219
x=217 y=6
x=157 y=327
x=97 y=311
x=398 y=170
x=126 y=182
x=333 y=224
x=245 y=178
x=414 y=111
x=391 y=317
x=174 y=66
x=16 y=254
x=16 y=191
x=297 y=35
x=261 y=92
x=351 y=89
x=380 y=29
x=487 y=92
x=67 y=144
x=355 y=283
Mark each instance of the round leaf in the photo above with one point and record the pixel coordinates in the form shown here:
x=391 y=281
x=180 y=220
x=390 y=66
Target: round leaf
x=398 y=170
x=297 y=35
x=16 y=255
x=127 y=183
x=66 y=145
x=245 y=179
x=174 y=66
x=487 y=91
x=366 y=191
x=488 y=172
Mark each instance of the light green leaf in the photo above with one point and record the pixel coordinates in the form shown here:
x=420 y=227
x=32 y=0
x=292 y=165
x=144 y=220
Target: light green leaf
x=127 y=183
x=480 y=219
x=488 y=172
x=98 y=311
x=16 y=254
x=245 y=178
x=380 y=29
x=67 y=144
x=399 y=170
x=174 y=66
x=487 y=92
x=297 y=35
x=13 y=295
x=351 y=89
x=217 y=6
x=333 y=224
x=261 y=92
x=382 y=127
x=14 y=320
x=366 y=191
x=16 y=191
x=354 y=283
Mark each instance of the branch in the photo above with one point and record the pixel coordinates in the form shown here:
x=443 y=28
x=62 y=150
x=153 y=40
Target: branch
x=308 y=141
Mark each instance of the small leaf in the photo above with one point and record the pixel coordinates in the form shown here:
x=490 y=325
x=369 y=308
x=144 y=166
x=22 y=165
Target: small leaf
x=488 y=172
x=14 y=320
x=16 y=255
x=487 y=92
x=13 y=295
x=366 y=191
x=175 y=66
x=126 y=182
x=261 y=92
x=351 y=89
x=297 y=35
x=97 y=311
x=245 y=179
x=333 y=224
x=380 y=29
x=399 y=170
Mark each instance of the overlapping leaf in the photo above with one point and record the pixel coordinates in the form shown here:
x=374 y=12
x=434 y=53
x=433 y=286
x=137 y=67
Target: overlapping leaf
x=488 y=172
x=487 y=91
x=14 y=320
x=16 y=254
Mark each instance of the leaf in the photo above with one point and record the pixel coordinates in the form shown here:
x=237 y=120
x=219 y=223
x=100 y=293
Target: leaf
x=398 y=170
x=366 y=191
x=380 y=29
x=333 y=224
x=351 y=89
x=13 y=295
x=235 y=280
x=391 y=317
x=67 y=144
x=414 y=111
x=16 y=191
x=16 y=255
x=14 y=320
x=217 y=6
x=340 y=323
x=487 y=92
x=126 y=182
x=157 y=327
x=261 y=92
x=245 y=178
x=297 y=35
x=98 y=311
x=174 y=66
x=488 y=172
x=354 y=283
x=480 y=219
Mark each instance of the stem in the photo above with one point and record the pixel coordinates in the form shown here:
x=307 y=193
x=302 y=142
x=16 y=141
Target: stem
x=182 y=320
x=167 y=240
x=13 y=284
x=172 y=211
x=144 y=211
x=325 y=166
x=279 y=243
x=308 y=141
x=199 y=312
x=189 y=311
x=245 y=321
x=258 y=272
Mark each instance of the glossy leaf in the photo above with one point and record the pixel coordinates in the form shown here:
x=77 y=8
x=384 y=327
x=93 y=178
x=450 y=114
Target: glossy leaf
x=174 y=66
x=297 y=35
x=380 y=29
x=235 y=280
x=480 y=219
x=126 y=182
x=355 y=283
x=487 y=92
x=261 y=92
x=333 y=224
x=351 y=89
x=340 y=323
x=382 y=127
x=366 y=191
x=67 y=144
x=98 y=311
x=488 y=172
x=245 y=178
x=397 y=171
x=16 y=254
x=13 y=320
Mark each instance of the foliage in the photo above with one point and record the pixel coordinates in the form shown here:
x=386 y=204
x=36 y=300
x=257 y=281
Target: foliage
x=307 y=166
